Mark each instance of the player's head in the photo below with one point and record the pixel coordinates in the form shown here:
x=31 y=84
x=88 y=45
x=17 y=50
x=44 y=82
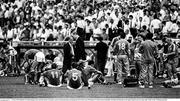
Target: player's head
x=149 y=36
x=91 y=63
x=81 y=65
x=100 y=38
x=69 y=39
x=74 y=65
x=50 y=51
x=53 y=66
x=123 y=35
x=140 y=37
x=4 y=45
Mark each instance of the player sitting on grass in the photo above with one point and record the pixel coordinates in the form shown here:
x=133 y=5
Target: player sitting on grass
x=91 y=75
x=74 y=80
x=52 y=77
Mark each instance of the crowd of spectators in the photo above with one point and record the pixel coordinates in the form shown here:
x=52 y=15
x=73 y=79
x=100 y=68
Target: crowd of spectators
x=53 y=20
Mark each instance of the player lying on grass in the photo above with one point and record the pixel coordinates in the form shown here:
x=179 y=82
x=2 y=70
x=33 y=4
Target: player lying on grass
x=74 y=80
x=52 y=77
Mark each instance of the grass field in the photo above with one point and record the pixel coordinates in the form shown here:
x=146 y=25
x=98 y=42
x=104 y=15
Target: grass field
x=13 y=87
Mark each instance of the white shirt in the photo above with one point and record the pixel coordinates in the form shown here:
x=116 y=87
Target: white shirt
x=59 y=61
x=139 y=25
x=6 y=14
x=88 y=28
x=10 y=34
x=65 y=32
x=173 y=28
x=12 y=51
x=132 y=23
x=163 y=14
x=97 y=31
x=81 y=23
x=40 y=57
x=167 y=27
x=126 y=28
x=146 y=21
x=155 y=24
x=102 y=24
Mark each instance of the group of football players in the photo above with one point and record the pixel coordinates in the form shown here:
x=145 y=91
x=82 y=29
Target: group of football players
x=44 y=72
x=144 y=52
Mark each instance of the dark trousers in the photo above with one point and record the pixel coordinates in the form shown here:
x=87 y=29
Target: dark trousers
x=66 y=66
x=88 y=35
x=1 y=22
x=101 y=65
x=173 y=35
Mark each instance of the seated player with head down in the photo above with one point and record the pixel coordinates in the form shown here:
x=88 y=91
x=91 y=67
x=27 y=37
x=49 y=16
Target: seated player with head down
x=91 y=75
x=52 y=77
x=74 y=80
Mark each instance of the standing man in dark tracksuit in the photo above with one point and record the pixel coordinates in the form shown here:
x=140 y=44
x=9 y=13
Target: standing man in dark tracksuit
x=79 y=49
x=101 y=49
x=68 y=55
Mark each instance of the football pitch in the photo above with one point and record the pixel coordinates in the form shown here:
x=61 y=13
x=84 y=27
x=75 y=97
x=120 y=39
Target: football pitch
x=13 y=87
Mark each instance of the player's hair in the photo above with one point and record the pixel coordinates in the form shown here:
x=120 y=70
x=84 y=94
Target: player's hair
x=149 y=36
x=74 y=65
x=53 y=66
x=100 y=38
x=90 y=62
x=130 y=16
x=67 y=38
x=123 y=35
x=141 y=35
x=144 y=27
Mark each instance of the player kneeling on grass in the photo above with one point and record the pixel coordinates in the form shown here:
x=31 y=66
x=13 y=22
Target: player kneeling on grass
x=91 y=75
x=52 y=77
x=29 y=72
x=74 y=80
